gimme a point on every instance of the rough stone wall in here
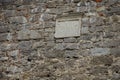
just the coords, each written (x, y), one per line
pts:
(29, 50)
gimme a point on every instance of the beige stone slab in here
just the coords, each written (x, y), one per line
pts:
(67, 27)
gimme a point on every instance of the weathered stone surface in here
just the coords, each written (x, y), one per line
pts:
(25, 45)
(67, 28)
(60, 46)
(71, 46)
(3, 37)
(107, 60)
(29, 34)
(100, 51)
(4, 28)
(70, 40)
(3, 58)
(115, 51)
(18, 19)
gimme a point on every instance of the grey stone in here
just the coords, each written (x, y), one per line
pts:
(115, 51)
(110, 43)
(71, 54)
(70, 40)
(100, 51)
(84, 30)
(14, 53)
(36, 10)
(46, 17)
(25, 45)
(14, 69)
(59, 46)
(3, 37)
(4, 28)
(18, 19)
(71, 46)
(106, 60)
(10, 13)
(29, 34)
(3, 58)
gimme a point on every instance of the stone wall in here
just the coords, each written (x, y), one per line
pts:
(29, 50)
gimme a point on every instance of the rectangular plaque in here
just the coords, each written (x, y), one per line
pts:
(69, 27)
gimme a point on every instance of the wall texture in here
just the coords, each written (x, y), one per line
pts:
(29, 50)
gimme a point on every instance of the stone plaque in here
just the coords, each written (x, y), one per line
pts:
(67, 27)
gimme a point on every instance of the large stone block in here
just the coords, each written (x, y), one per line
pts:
(18, 19)
(68, 27)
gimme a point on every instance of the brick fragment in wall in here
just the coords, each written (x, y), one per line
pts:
(10, 13)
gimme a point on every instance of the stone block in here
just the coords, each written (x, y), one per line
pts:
(115, 51)
(99, 70)
(5, 36)
(110, 43)
(70, 40)
(100, 51)
(4, 28)
(25, 45)
(71, 54)
(29, 34)
(105, 60)
(84, 30)
(59, 46)
(71, 46)
(10, 13)
(18, 19)
(67, 27)
(14, 53)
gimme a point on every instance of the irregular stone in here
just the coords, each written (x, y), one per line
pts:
(25, 45)
(100, 51)
(99, 70)
(14, 53)
(70, 40)
(10, 13)
(36, 10)
(3, 58)
(59, 46)
(71, 54)
(110, 43)
(14, 69)
(84, 30)
(18, 19)
(71, 46)
(106, 60)
(46, 17)
(3, 37)
(115, 51)
(29, 34)
(4, 28)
